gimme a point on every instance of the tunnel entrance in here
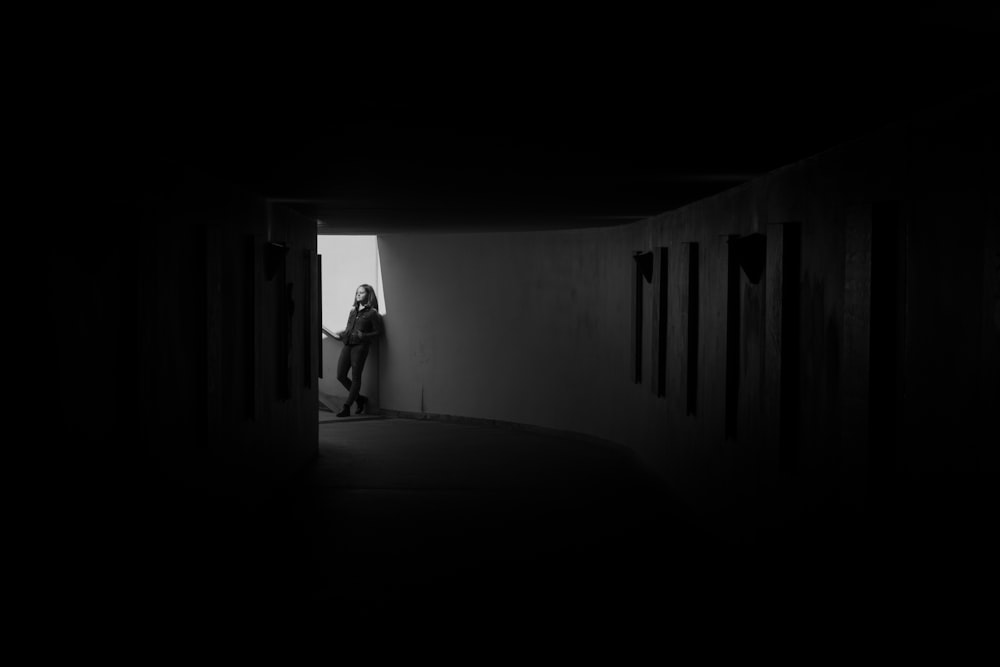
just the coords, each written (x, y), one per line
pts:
(345, 262)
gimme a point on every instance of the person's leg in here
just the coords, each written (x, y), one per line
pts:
(358, 355)
(343, 365)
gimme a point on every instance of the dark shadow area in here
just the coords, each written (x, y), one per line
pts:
(791, 313)
(187, 392)
(418, 523)
(403, 523)
(888, 346)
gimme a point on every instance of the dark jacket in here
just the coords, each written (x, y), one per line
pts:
(363, 326)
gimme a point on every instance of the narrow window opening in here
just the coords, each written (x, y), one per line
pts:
(348, 261)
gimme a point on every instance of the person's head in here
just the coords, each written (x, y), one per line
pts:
(365, 296)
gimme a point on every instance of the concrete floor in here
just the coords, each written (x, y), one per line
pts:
(418, 519)
(431, 525)
(404, 516)
(433, 515)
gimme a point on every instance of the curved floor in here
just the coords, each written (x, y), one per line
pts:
(406, 514)
(428, 524)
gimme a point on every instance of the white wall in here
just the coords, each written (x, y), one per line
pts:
(531, 328)
(348, 261)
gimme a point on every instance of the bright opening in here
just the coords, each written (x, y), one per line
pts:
(348, 261)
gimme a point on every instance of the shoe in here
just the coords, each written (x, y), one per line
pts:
(345, 412)
(362, 405)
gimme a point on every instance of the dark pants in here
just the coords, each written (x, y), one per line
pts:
(352, 357)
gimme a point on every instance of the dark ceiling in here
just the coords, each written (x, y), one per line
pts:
(550, 130)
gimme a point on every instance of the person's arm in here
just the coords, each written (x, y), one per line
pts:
(376, 321)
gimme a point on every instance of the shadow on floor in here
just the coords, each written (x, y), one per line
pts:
(431, 523)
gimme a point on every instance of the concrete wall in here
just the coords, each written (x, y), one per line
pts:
(176, 337)
(168, 426)
(865, 334)
(229, 345)
(498, 326)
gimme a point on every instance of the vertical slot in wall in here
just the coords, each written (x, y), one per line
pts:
(660, 321)
(692, 329)
(642, 272)
(732, 338)
(782, 262)
(635, 337)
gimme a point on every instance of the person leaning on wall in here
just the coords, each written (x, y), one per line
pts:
(364, 326)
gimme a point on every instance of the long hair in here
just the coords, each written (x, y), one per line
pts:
(371, 300)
